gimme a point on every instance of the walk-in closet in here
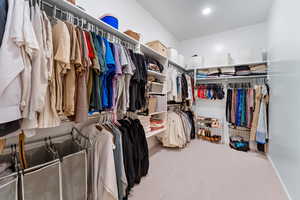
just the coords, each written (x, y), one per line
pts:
(149, 100)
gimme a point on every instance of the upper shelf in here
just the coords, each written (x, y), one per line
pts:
(232, 78)
(66, 6)
(232, 65)
(176, 65)
(152, 53)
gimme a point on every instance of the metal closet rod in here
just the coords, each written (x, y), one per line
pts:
(90, 26)
(42, 139)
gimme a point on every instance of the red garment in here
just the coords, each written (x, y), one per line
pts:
(203, 92)
(90, 47)
(199, 92)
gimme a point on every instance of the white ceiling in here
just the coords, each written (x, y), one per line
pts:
(183, 18)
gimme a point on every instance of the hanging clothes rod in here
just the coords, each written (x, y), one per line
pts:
(233, 79)
(88, 22)
(52, 138)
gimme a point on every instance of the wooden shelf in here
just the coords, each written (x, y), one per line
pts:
(154, 133)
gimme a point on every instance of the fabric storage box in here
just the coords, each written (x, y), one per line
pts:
(196, 61)
(159, 47)
(152, 104)
(156, 87)
(110, 20)
(134, 35)
(161, 104)
(172, 54)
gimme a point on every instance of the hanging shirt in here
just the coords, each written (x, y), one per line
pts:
(118, 74)
(61, 49)
(40, 73)
(29, 51)
(11, 63)
(3, 17)
(49, 118)
(262, 127)
(70, 77)
(104, 180)
(108, 75)
(81, 99)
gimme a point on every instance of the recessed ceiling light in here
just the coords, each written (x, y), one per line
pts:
(206, 11)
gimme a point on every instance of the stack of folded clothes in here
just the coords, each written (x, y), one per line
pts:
(227, 71)
(156, 124)
(213, 72)
(259, 69)
(242, 71)
(201, 73)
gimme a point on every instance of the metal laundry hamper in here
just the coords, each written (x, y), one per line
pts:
(240, 131)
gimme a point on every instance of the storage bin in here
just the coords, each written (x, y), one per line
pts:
(159, 47)
(172, 54)
(156, 87)
(152, 104)
(110, 20)
(161, 104)
(196, 61)
(134, 35)
(240, 131)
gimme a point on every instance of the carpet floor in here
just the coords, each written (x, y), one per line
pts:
(205, 171)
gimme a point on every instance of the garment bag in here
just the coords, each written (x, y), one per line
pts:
(9, 188)
(42, 183)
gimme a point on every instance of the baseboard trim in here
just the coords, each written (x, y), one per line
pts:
(279, 177)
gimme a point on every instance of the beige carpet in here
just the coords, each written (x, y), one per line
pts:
(205, 171)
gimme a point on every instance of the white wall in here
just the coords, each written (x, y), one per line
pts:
(132, 16)
(284, 47)
(245, 45)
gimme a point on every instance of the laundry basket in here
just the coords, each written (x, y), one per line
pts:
(240, 131)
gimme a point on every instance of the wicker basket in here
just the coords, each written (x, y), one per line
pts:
(152, 104)
(159, 47)
(133, 34)
(72, 1)
(240, 131)
(156, 87)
